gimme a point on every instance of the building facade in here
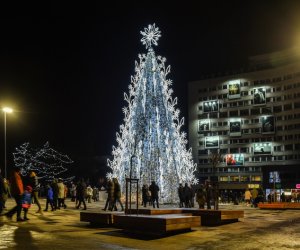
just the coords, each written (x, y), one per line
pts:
(251, 120)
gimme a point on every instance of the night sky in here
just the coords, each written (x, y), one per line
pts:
(64, 68)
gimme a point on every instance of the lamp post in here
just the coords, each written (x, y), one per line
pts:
(5, 110)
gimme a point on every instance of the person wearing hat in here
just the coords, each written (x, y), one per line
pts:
(34, 183)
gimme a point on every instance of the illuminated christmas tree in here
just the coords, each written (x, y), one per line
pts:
(46, 162)
(150, 142)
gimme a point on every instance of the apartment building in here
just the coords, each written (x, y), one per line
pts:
(252, 120)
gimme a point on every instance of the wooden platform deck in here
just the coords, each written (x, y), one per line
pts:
(216, 217)
(279, 205)
(159, 224)
(208, 217)
(102, 218)
(154, 211)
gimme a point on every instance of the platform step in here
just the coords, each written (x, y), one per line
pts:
(279, 205)
(156, 224)
(102, 218)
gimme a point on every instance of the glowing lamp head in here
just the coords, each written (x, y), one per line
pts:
(7, 110)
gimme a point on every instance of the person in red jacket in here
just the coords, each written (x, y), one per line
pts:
(17, 191)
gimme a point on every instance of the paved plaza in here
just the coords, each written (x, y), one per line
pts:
(62, 229)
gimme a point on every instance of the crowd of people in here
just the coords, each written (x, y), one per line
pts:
(27, 190)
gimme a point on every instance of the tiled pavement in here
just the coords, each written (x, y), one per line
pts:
(260, 229)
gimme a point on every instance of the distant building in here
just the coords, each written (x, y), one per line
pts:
(253, 119)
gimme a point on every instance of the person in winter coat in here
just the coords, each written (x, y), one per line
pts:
(61, 194)
(201, 197)
(6, 192)
(247, 197)
(17, 191)
(187, 195)
(26, 200)
(49, 198)
(117, 195)
(54, 187)
(110, 195)
(89, 193)
(181, 195)
(145, 193)
(1, 192)
(34, 183)
(154, 189)
(81, 193)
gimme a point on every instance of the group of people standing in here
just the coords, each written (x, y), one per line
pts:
(150, 195)
(113, 195)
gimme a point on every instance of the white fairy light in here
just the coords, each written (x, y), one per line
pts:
(151, 129)
(46, 162)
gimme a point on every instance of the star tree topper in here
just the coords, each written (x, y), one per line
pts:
(150, 35)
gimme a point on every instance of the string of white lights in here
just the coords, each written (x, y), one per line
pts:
(46, 162)
(150, 143)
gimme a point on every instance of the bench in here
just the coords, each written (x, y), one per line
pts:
(216, 217)
(99, 218)
(279, 205)
(156, 224)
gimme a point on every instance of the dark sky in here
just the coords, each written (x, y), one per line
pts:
(64, 68)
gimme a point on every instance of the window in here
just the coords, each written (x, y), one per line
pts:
(223, 151)
(234, 178)
(223, 115)
(244, 112)
(277, 109)
(297, 105)
(277, 148)
(233, 113)
(288, 147)
(225, 86)
(255, 111)
(224, 178)
(244, 178)
(287, 106)
(244, 150)
(255, 178)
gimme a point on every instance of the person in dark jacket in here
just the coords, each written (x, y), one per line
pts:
(81, 191)
(187, 195)
(145, 197)
(117, 195)
(181, 195)
(154, 189)
(110, 195)
(54, 187)
(34, 183)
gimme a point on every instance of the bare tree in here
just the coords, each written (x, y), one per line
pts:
(215, 157)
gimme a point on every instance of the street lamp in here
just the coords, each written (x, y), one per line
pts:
(5, 111)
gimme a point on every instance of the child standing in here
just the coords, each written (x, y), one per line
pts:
(26, 201)
(49, 198)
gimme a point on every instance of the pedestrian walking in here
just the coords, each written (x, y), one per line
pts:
(117, 195)
(110, 195)
(34, 183)
(26, 201)
(81, 193)
(17, 191)
(49, 200)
